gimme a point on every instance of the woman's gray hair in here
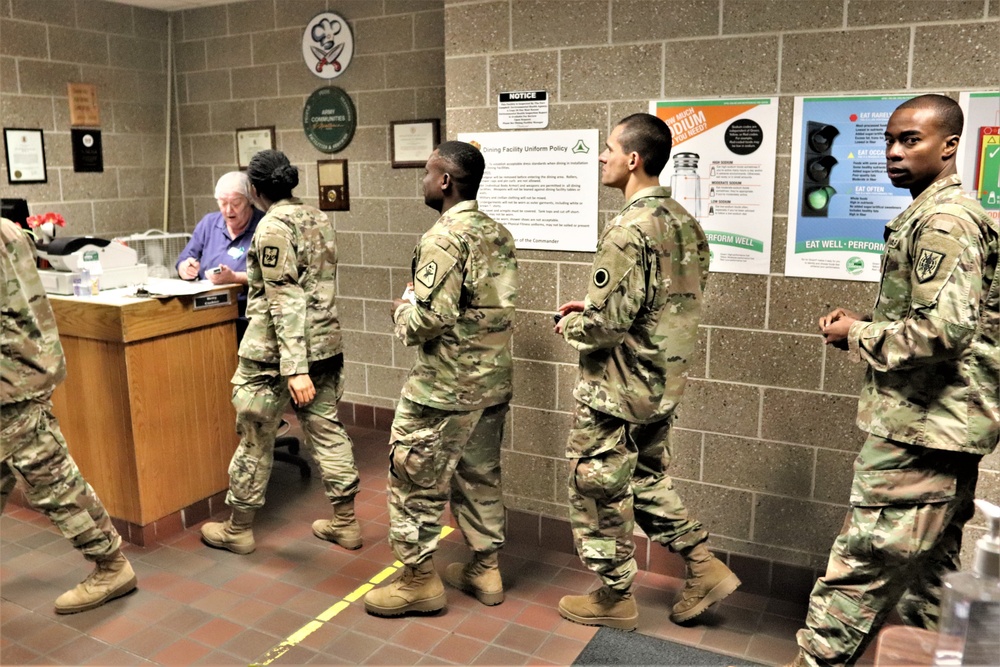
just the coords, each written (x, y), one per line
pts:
(233, 182)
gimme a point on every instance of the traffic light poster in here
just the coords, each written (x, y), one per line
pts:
(840, 196)
(721, 169)
(979, 150)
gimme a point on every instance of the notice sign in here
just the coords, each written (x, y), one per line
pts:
(542, 186)
(979, 150)
(524, 110)
(721, 169)
(840, 196)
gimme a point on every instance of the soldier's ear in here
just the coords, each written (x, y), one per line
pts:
(950, 146)
(445, 181)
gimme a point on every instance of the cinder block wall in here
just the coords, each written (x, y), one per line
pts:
(45, 44)
(240, 65)
(766, 433)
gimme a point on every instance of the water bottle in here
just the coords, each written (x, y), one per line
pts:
(82, 288)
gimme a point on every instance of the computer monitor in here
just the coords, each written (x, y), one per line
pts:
(15, 210)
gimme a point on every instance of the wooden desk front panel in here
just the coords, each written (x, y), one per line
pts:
(185, 424)
(92, 406)
(151, 424)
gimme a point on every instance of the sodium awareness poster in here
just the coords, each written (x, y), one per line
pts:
(840, 196)
(721, 169)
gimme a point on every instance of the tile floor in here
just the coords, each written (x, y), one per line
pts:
(197, 605)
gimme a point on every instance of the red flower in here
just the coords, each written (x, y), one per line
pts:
(36, 221)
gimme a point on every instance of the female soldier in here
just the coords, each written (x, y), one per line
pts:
(292, 349)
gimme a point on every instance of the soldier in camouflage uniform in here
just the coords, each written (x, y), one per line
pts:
(32, 447)
(930, 400)
(636, 333)
(291, 350)
(449, 423)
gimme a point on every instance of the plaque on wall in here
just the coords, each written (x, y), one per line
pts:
(87, 153)
(329, 119)
(83, 109)
(327, 45)
(334, 193)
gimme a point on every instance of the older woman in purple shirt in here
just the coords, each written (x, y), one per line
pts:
(218, 248)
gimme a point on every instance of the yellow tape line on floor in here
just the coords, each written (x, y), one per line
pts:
(315, 624)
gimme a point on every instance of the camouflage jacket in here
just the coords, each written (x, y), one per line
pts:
(32, 362)
(639, 328)
(292, 289)
(465, 281)
(932, 343)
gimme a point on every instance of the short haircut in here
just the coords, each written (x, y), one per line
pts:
(233, 183)
(648, 136)
(273, 175)
(465, 166)
(949, 115)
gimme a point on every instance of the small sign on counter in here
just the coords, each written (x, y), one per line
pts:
(212, 300)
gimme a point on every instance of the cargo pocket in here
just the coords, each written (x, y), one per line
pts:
(898, 513)
(415, 457)
(603, 476)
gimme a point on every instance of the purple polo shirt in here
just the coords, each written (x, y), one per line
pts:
(210, 243)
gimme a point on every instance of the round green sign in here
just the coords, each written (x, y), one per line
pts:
(329, 119)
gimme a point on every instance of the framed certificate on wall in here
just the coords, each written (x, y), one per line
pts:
(25, 152)
(413, 141)
(250, 141)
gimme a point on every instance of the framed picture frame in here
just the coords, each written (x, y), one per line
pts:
(24, 150)
(413, 141)
(334, 190)
(250, 141)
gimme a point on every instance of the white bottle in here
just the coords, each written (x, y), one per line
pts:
(970, 622)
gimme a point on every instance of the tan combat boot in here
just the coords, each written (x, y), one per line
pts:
(605, 606)
(112, 577)
(708, 580)
(234, 534)
(343, 529)
(481, 577)
(418, 590)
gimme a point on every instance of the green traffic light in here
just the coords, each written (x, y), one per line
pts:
(820, 197)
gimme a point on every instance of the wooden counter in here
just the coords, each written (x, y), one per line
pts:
(145, 407)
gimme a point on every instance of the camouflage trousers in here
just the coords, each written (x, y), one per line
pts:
(439, 455)
(902, 534)
(260, 396)
(618, 477)
(35, 452)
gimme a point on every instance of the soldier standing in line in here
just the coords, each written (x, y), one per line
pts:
(291, 349)
(449, 423)
(32, 447)
(636, 332)
(930, 402)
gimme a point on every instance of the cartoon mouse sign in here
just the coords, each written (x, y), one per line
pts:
(327, 45)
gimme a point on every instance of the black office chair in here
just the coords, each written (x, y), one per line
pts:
(291, 443)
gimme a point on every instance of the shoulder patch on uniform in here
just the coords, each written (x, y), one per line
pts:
(427, 273)
(270, 256)
(927, 265)
(601, 277)
(433, 264)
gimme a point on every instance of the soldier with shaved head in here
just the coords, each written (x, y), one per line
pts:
(930, 401)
